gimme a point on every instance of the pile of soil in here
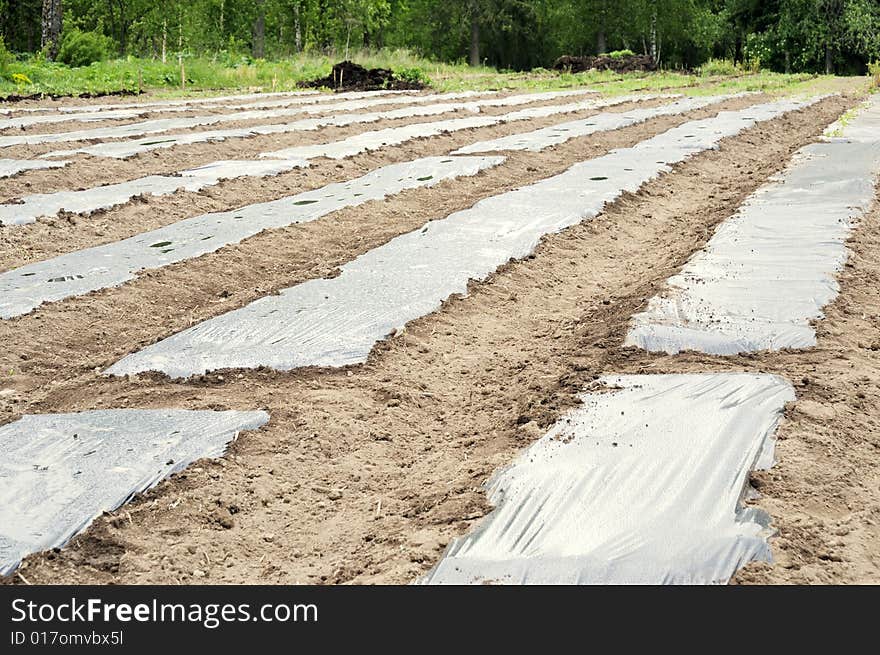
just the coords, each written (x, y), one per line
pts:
(349, 76)
(628, 64)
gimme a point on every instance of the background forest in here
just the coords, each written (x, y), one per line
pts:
(824, 36)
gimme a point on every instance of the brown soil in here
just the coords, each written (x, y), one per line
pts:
(50, 237)
(91, 171)
(39, 97)
(34, 150)
(628, 64)
(349, 76)
(146, 113)
(364, 474)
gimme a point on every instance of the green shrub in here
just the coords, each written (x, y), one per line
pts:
(719, 67)
(5, 60)
(413, 76)
(758, 49)
(620, 54)
(874, 71)
(84, 48)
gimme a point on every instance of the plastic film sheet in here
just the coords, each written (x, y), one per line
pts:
(26, 121)
(556, 134)
(377, 139)
(141, 110)
(319, 97)
(641, 485)
(82, 271)
(133, 147)
(769, 270)
(335, 322)
(157, 125)
(130, 148)
(75, 109)
(83, 202)
(89, 200)
(125, 149)
(60, 471)
(10, 167)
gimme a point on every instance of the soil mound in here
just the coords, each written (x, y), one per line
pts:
(349, 76)
(625, 64)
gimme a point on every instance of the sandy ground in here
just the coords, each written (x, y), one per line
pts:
(201, 109)
(364, 474)
(53, 236)
(168, 159)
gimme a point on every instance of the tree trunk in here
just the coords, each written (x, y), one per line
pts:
(119, 24)
(297, 27)
(123, 30)
(601, 45)
(829, 59)
(259, 49)
(654, 32)
(51, 35)
(475, 40)
(787, 62)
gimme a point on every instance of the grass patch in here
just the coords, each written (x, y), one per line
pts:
(34, 75)
(874, 72)
(715, 67)
(221, 72)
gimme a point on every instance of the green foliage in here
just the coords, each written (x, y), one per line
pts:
(233, 35)
(207, 74)
(413, 75)
(874, 71)
(5, 60)
(757, 51)
(620, 54)
(719, 67)
(83, 48)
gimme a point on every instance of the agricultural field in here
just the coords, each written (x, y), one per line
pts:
(515, 328)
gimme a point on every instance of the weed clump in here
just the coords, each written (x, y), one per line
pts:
(874, 71)
(715, 67)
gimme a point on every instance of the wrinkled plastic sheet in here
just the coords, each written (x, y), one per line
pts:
(82, 271)
(131, 148)
(319, 97)
(377, 139)
(157, 125)
(60, 471)
(769, 270)
(641, 485)
(137, 110)
(75, 109)
(10, 167)
(336, 322)
(125, 149)
(89, 200)
(27, 121)
(555, 134)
